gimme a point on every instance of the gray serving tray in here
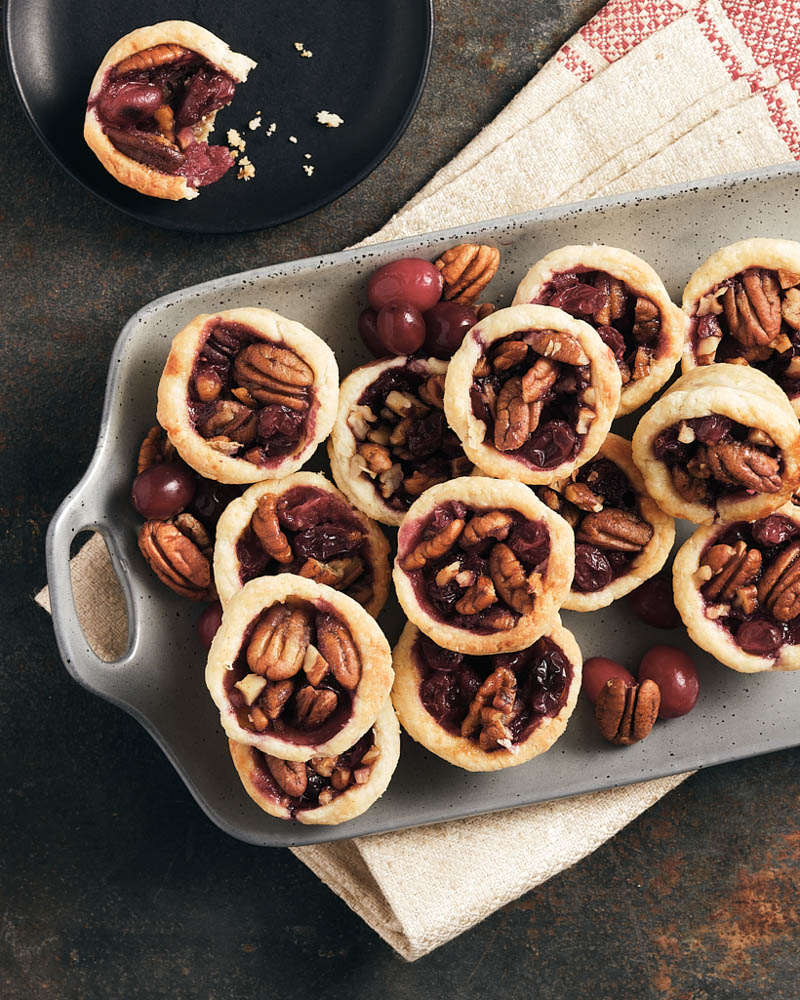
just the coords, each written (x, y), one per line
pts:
(159, 679)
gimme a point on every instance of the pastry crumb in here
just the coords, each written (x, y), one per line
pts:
(270, 130)
(307, 156)
(246, 169)
(309, 168)
(329, 119)
(292, 138)
(255, 123)
(235, 140)
(304, 52)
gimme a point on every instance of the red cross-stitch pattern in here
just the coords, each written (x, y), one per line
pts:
(710, 29)
(781, 119)
(568, 58)
(771, 30)
(622, 25)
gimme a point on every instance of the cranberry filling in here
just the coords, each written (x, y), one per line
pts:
(250, 398)
(283, 683)
(311, 532)
(455, 687)
(752, 585)
(405, 443)
(753, 317)
(477, 569)
(713, 457)
(153, 107)
(533, 406)
(629, 323)
(324, 779)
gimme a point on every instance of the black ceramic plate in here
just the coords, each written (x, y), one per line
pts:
(369, 62)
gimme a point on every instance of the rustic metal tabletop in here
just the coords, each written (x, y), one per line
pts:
(113, 883)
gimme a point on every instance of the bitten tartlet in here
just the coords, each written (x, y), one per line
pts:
(624, 299)
(297, 669)
(152, 106)
(303, 525)
(323, 790)
(390, 441)
(622, 538)
(721, 444)
(531, 393)
(743, 307)
(482, 565)
(247, 395)
(737, 588)
(484, 713)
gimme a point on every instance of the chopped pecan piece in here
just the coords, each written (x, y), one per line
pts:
(432, 391)
(232, 421)
(315, 666)
(743, 465)
(510, 580)
(779, 587)
(646, 321)
(337, 647)
(279, 642)
(788, 279)
(642, 363)
(466, 270)
(753, 308)
(508, 354)
(491, 709)
(583, 496)
(493, 524)
(434, 548)
(275, 696)
(790, 310)
(180, 561)
(732, 566)
(477, 597)
(617, 530)
(290, 775)
(155, 449)
(377, 457)
(267, 529)
(512, 418)
(313, 707)
(251, 686)
(207, 385)
(338, 573)
(692, 489)
(420, 481)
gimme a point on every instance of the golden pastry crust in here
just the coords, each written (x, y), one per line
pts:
(745, 395)
(270, 327)
(375, 655)
(347, 469)
(459, 750)
(483, 494)
(191, 36)
(237, 516)
(705, 631)
(640, 277)
(652, 557)
(761, 252)
(352, 802)
(604, 389)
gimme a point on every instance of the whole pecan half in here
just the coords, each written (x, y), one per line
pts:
(616, 299)
(156, 55)
(338, 573)
(290, 775)
(510, 580)
(466, 270)
(152, 150)
(477, 597)
(155, 449)
(267, 529)
(274, 374)
(313, 707)
(493, 524)
(752, 308)
(617, 530)
(279, 642)
(779, 587)
(743, 465)
(732, 566)
(688, 487)
(508, 354)
(491, 709)
(434, 548)
(337, 647)
(557, 346)
(512, 417)
(275, 696)
(625, 715)
(178, 552)
(539, 380)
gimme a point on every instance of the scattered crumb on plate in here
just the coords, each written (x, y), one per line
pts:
(307, 156)
(330, 119)
(235, 140)
(270, 129)
(255, 123)
(246, 169)
(304, 52)
(292, 138)
(309, 168)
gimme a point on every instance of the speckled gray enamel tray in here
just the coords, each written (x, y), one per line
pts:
(159, 680)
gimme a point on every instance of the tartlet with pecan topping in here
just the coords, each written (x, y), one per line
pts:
(247, 394)
(152, 106)
(737, 588)
(303, 525)
(721, 444)
(622, 537)
(482, 565)
(624, 299)
(531, 393)
(323, 790)
(484, 713)
(743, 307)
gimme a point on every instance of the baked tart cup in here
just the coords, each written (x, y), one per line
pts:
(152, 106)
(743, 307)
(482, 565)
(721, 444)
(297, 669)
(485, 713)
(622, 537)
(303, 525)
(391, 441)
(624, 299)
(247, 395)
(324, 790)
(737, 588)
(531, 393)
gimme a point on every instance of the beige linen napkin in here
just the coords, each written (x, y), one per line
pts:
(646, 93)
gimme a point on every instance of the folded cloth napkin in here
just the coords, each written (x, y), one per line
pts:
(648, 92)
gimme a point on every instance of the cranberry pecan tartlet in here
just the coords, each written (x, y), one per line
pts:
(297, 668)
(624, 299)
(737, 588)
(323, 790)
(743, 306)
(531, 393)
(152, 106)
(391, 441)
(721, 444)
(247, 394)
(482, 565)
(303, 525)
(622, 537)
(484, 713)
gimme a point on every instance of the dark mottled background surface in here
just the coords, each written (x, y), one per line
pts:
(113, 884)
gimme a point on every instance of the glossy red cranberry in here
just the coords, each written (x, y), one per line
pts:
(592, 570)
(712, 429)
(675, 674)
(411, 280)
(579, 300)
(614, 340)
(446, 325)
(208, 623)
(127, 103)
(368, 330)
(653, 603)
(597, 671)
(163, 490)
(774, 530)
(758, 637)
(401, 328)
